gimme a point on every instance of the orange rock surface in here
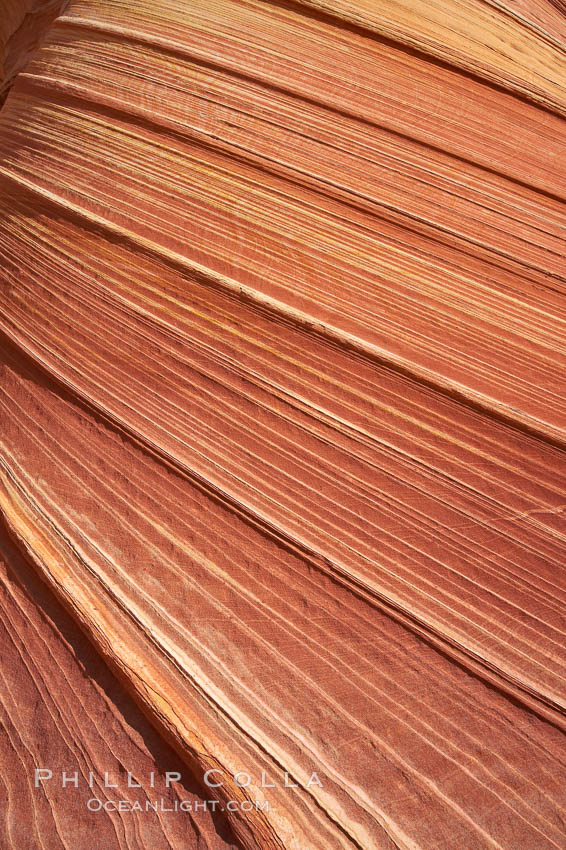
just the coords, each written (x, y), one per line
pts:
(282, 467)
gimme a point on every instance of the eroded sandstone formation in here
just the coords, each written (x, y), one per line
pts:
(283, 455)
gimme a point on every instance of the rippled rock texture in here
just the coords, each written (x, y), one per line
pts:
(283, 470)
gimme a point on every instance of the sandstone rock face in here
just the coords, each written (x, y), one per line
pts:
(282, 468)
(22, 26)
(61, 706)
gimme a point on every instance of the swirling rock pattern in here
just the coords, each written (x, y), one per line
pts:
(61, 706)
(283, 453)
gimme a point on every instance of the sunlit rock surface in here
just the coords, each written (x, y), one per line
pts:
(283, 451)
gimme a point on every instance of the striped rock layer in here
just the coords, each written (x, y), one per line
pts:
(282, 467)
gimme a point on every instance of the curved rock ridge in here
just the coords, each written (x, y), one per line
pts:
(282, 468)
(61, 706)
(23, 24)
